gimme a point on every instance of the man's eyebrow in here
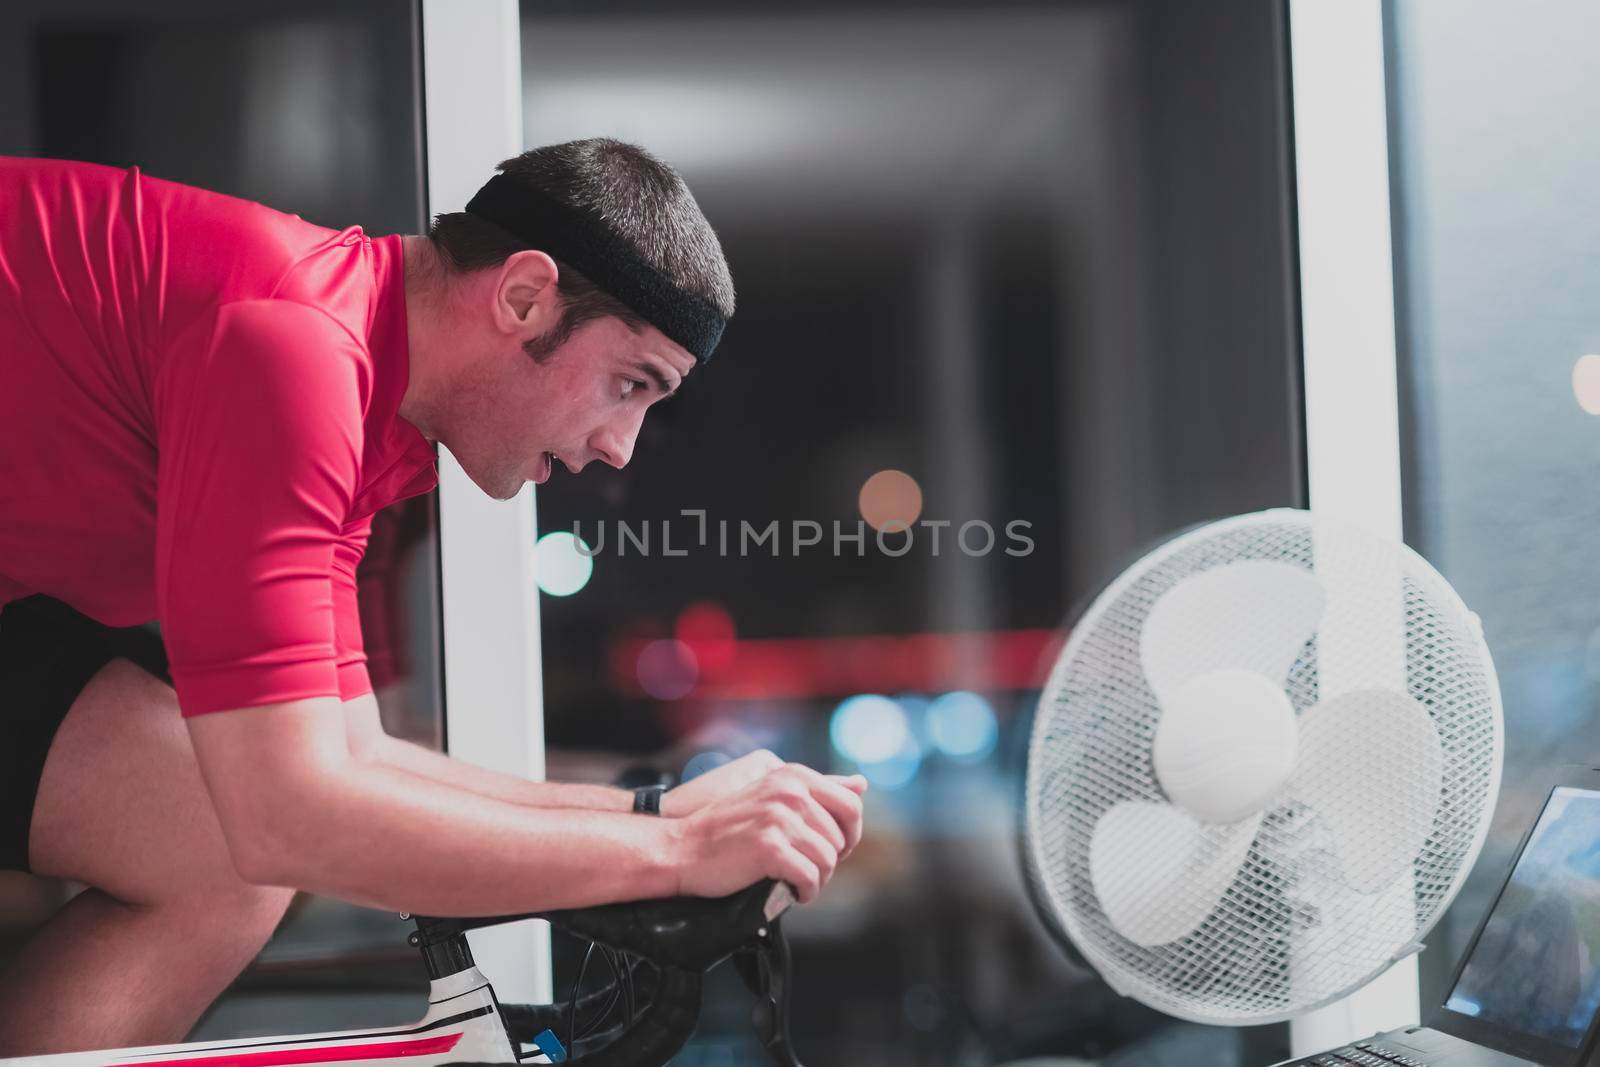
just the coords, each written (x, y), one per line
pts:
(653, 372)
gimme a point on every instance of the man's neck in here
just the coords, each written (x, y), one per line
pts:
(424, 301)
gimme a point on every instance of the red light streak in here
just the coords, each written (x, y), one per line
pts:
(799, 667)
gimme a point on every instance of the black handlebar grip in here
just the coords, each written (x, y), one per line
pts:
(691, 933)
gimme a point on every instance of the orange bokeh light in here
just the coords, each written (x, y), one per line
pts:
(891, 499)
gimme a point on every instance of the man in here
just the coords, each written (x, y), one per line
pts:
(202, 404)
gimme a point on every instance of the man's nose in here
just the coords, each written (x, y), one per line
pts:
(614, 444)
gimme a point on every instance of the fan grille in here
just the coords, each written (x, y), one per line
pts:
(1288, 935)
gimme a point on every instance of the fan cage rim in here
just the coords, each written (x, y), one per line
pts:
(1064, 919)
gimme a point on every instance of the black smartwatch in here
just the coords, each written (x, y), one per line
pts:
(647, 799)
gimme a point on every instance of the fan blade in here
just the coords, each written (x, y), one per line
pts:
(1255, 616)
(1158, 873)
(1225, 745)
(1371, 767)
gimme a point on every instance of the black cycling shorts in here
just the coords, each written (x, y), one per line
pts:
(48, 653)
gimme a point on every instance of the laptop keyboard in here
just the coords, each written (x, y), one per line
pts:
(1364, 1054)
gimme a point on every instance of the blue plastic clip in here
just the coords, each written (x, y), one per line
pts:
(551, 1046)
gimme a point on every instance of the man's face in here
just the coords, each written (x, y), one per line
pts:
(582, 403)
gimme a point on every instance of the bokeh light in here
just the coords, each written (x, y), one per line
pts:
(1586, 383)
(963, 726)
(869, 729)
(562, 563)
(891, 499)
(702, 762)
(707, 628)
(915, 707)
(667, 669)
(898, 770)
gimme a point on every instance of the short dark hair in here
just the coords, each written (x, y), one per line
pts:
(642, 198)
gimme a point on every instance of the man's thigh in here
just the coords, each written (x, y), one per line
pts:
(121, 804)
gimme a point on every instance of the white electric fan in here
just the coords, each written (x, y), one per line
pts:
(1262, 767)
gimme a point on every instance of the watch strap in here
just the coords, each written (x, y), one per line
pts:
(647, 799)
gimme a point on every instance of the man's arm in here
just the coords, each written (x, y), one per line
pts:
(368, 742)
(298, 809)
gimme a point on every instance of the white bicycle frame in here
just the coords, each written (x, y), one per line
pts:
(679, 940)
(462, 1023)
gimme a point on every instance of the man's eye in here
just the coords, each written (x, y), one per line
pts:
(628, 386)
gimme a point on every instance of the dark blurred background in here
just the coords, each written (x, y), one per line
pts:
(1036, 258)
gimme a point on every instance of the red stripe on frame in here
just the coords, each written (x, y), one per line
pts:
(376, 1050)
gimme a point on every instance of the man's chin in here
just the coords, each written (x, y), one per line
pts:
(498, 486)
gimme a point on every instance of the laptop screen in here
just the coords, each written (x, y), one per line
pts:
(1535, 969)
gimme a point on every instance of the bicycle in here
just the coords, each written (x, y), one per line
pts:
(667, 945)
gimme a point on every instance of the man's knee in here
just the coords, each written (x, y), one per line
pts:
(122, 805)
(237, 920)
(254, 910)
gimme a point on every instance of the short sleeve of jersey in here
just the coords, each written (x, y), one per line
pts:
(258, 416)
(348, 645)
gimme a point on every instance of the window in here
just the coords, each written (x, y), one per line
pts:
(1493, 149)
(1036, 259)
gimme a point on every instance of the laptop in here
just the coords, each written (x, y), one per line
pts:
(1527, 990)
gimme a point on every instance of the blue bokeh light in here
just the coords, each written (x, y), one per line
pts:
(898, 770)
(876, 734)
(869, 728)
(963, 726)
(702, 762)
(562, 563)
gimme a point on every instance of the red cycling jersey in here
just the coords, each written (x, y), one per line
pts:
(199, 405)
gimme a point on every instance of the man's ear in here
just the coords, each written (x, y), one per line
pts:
(526, 301)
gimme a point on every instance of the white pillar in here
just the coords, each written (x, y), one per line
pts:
(1348, 334)
(494, 708)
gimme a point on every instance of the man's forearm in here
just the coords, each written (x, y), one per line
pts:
(437, 767)
(387, 838)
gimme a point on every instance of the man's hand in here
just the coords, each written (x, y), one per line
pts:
(792, 823)
(718, 783)
(722, 782)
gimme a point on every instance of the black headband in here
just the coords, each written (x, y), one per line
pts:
(584, 241)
